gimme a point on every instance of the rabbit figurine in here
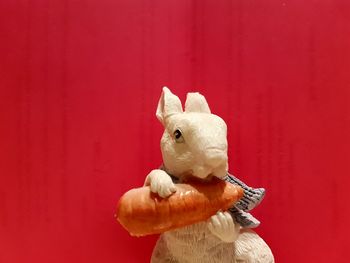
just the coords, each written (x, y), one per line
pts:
(195, 143)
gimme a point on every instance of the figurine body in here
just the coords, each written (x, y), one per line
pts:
(194, 144)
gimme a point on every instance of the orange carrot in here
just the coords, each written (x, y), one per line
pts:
(142, 212)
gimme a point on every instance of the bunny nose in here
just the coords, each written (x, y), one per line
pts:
(215, 157)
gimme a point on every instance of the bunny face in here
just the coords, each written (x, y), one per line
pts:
(194, 142)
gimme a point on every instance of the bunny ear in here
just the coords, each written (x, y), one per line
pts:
(168, 105)
(195, 102)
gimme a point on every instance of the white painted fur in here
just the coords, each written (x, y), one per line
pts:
(200, 151)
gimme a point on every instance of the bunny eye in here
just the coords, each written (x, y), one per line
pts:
(178, 136)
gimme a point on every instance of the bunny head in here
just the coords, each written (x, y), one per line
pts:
(194, 141)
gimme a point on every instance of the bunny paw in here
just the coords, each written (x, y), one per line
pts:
(160, 182)
(222, 226)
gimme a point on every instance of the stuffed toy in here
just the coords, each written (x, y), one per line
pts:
(194, 146)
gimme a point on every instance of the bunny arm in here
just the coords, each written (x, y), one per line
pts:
(223, 226)
(160, 182)
(252, 197)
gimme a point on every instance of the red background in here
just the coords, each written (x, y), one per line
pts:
(79, 85)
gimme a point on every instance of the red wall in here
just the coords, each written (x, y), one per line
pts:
(79, 85)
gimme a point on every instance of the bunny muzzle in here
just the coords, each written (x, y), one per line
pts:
(213, 163)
